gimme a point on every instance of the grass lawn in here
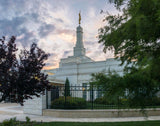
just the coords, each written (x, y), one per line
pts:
(141, 123)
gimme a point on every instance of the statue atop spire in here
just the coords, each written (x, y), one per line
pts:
(79, 49)
(79, 17)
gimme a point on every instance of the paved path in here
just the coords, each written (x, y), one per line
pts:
(8, 111)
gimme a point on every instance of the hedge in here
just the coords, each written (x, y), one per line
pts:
(70, 103)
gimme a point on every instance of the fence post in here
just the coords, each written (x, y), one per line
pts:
(65, 96)
(92, 96)
(118, 102)
(46, 98)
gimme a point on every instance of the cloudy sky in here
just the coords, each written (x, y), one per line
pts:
(52, 25)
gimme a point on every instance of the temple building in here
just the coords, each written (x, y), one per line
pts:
(77, 68)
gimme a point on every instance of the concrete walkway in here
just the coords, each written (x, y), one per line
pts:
(8, 110)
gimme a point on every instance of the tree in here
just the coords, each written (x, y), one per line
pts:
(135, 33)
(111, 84)
(23, 76)
(67, 88)
(142, 89)
(8, 65)
(134, 36)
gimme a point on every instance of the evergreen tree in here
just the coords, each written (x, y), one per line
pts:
(67, 88)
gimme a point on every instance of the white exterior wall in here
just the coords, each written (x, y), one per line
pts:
(79, 73)
(35, 106)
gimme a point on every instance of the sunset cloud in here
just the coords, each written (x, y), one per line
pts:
(52, 25)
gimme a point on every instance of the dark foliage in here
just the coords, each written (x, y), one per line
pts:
(69, 103)
(134, 36)
(136, 87)
(67, 88)
(101, 100)
(23, 76)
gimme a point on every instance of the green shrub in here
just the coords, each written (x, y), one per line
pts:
(70, 103)
(10, 122)
(147, 102)
(101, 100)
(155, 101)
(15, 122)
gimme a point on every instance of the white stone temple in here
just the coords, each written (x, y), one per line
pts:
(77, 68)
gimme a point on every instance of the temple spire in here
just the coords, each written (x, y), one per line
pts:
(79, 49)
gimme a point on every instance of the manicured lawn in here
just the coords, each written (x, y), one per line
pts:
(142, 123)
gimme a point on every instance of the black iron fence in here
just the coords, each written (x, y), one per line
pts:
(84, 97)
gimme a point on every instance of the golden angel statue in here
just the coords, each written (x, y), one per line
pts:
(79, 17)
